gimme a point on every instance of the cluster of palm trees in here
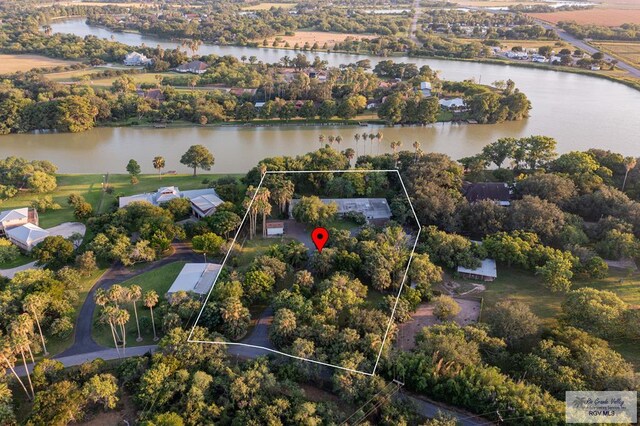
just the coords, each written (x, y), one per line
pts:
(117, 317)
(329, 139)
(377, 137)
(21, 339)
(276, 189)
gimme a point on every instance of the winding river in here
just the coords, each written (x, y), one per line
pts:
(581, 112)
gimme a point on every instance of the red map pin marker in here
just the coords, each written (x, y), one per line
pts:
(320, 237)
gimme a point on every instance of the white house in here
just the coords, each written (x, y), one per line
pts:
(136, 59)
(454, 103)
(193, 67)
(371, 208)
(205, 205)
(27, 236)
(539, 58)
(487, 271)
(516, 55)
(425, 88)
(16, 217)
(196, 278)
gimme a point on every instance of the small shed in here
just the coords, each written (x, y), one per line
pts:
(275, 229)
(487, 271)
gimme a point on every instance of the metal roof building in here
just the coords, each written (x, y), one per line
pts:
(196, 278)
(487, 271)
(371, 208)
(27, 236)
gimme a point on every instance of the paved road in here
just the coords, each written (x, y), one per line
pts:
(83, 342)
(9, 273)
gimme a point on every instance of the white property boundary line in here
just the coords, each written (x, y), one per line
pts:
(235, 238)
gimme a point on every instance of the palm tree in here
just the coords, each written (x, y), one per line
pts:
(19, 342)
(35, 304)
(107, 316)
(321, 139)
(22, 326)
(100, 297)
(7, 354)
(262, 203)
(150, 300)
(379, 137)
(282, 192)
(338, 140)
(158, 163)
(356, 137)
(115, 294)
(629, 164)
(122, 318)
(364, 142)
(134, 294)
(331, 139)
(416, 146)
(250, 203)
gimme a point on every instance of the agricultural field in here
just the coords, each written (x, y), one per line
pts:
(267, 6)
(320, 37)
(609, 17)
(625, 51)
(14, 63)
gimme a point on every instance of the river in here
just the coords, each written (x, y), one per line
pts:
(581, 112)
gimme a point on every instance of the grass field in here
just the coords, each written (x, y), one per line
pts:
(608, 17)
(13, 63)
(527, 288)
(625, 51)
(103, 82)
(90, 187)
(160, 280)
(527, 44)
(320, 37)
(267, 6)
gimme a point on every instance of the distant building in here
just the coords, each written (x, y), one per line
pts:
(17, 217)
(196, 278)
(259, 105)
(371, 208)
(539, 58)
(453, 104)
(487, 271)
(203, 201)
(425, 88)
(193, 67)
(275, 228)
(136, 59)
(153, 94)
(517, 55)
(27, 236)
(495, 191)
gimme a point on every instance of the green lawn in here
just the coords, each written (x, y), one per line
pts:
(90, 187)
(22, 259)
(160, 280)
(522, 285)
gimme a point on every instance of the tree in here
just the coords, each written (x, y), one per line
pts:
(8, 251)
(54, 251)
(150, 300)
(198, 156)
(535, 150)
(159, 163)
(599, 312)
(313, 211)
(36, 304)
(498, 151)
(257, 284)
(208, 243)
(60, 404)
(40, 181)
(224, 222)
(629, 164)
(548, 186)
(513, 321)
(283, 328)
(75, 114)
(134, 294)
(101, 388)
(133, 168)
(536, 215)
(236, 318)
(445, 308)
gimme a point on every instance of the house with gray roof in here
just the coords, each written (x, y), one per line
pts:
(371, 208)
(27, 236)
(203, 201)
(17, 217)
(197, 278)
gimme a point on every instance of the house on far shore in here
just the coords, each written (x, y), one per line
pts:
(275, 228)
(425, 88)
(17, 217)
(196, 278)
(487, 271)
(453, 104)
(27, 236)
(136, 59)
(193, 67)
(495, 191)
